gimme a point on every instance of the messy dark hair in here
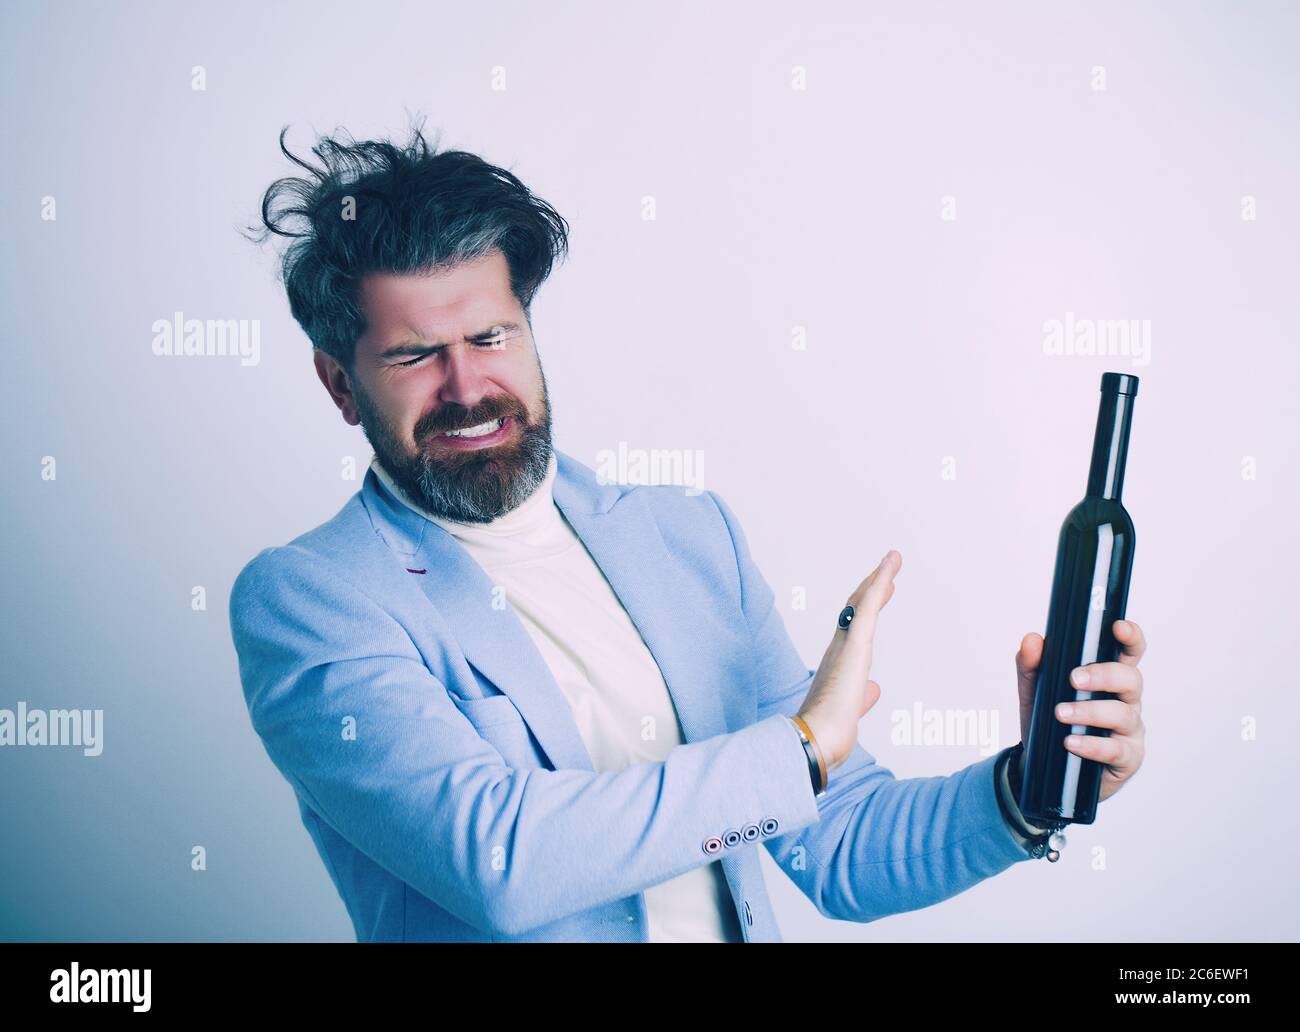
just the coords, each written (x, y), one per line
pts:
(376, 207)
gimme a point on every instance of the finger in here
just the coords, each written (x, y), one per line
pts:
(867, 602)
(1108, 713)
(1130, 637)
(857, 600)
(1120, 752)
(869, 698)
(872, 594)
(1125, 681)
(1028, 658)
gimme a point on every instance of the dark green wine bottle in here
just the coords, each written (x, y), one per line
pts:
(1094, 561)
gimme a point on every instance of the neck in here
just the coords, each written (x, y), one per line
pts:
(1110, 444)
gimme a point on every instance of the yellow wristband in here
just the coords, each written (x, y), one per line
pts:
(817, 750)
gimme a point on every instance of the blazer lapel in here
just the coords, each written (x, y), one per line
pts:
(623, 538)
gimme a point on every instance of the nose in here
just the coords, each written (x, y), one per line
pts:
(462, 383)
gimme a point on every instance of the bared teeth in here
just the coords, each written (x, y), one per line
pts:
(481, 430)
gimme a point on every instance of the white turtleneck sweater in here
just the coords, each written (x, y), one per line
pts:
(602, 666)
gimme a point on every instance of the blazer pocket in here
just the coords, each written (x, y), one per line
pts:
(499, 723)
(489, 710)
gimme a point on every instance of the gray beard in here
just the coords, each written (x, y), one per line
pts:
(467, 492)
(475, 495)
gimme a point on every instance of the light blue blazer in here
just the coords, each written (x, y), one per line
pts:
(442, 777)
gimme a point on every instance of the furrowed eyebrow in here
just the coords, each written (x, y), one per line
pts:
(495, 330)
(419, 347)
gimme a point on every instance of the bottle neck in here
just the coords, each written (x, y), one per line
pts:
(1110, 445)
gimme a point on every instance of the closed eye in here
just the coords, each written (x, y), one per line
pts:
(496, 344)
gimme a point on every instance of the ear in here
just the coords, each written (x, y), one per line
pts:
(335, 378)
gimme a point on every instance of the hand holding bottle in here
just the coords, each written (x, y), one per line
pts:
(1122, 751)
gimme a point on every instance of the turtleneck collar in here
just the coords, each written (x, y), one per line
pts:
(535, 527)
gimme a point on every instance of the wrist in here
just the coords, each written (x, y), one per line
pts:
(818, 771)
(1015, 774)
(823, 731)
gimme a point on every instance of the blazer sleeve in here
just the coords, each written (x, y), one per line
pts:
(884, 845)
(418, 790)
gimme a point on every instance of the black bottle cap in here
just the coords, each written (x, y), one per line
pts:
(1120, 383)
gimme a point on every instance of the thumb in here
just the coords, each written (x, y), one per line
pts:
(1028, 656)
(869, 698)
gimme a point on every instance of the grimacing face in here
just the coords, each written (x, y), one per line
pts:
(444, 352)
